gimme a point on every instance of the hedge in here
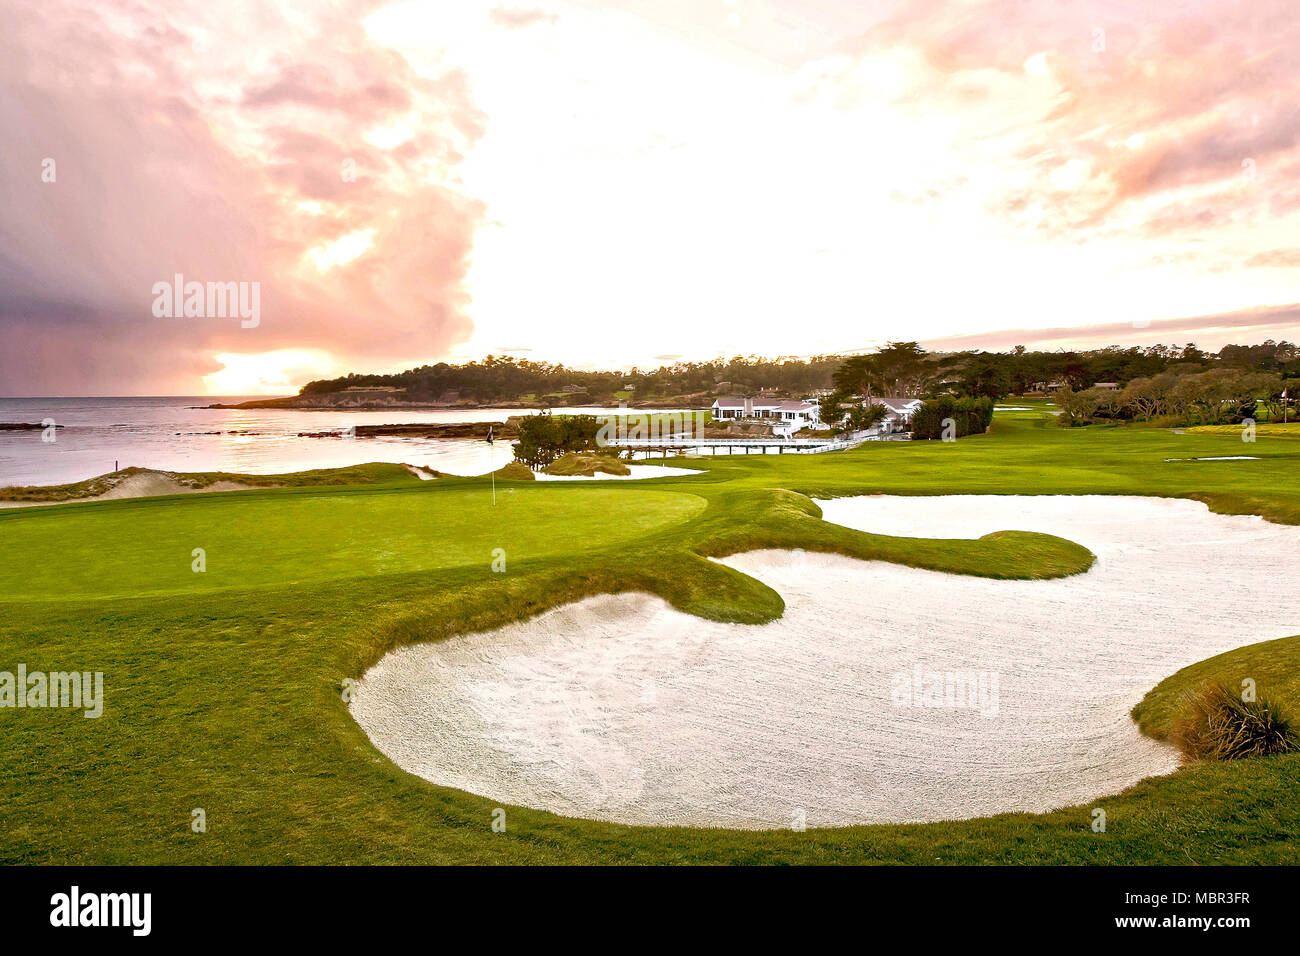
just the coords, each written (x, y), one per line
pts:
(971, 416)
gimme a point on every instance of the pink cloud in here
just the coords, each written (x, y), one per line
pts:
(514, 18)
(1204, 87)
(175, 152)
(1209, 331)
(1275, 259)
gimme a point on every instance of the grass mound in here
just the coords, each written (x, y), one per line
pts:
(1273, 666)
(1219, 725)
(374, 473)
(588, 465)
(90, 488)
(515, 471)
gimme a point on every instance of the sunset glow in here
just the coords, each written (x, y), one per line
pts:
(613, 184)
(267, 373)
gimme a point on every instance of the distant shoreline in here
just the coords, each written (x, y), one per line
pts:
(438, 430)
(302, 403)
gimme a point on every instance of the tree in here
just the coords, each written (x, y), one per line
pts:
(1149, 396)
(545, 437)
(833, 408)
(985, 375)
(1078, 408)
(900, 368)
(862, 417)
(858, 375)
(1249, 390)
(1071, 367)
(1023, 370)
(903, 369)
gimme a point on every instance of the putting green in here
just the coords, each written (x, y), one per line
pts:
(251, 539)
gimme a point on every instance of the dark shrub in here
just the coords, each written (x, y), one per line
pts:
(544, 438)
(970, 416)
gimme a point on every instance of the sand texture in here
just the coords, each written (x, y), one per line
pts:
(621, 708)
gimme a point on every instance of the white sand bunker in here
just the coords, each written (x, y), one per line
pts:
(621, 708)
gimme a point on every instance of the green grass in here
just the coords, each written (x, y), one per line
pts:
(1271, 665)
(144, 548)
(1263, 429)
(223, 689)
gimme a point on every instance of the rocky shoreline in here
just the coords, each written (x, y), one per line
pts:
(444, 430)
(336, 401)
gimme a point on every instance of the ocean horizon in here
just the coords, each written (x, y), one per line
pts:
(99, 434)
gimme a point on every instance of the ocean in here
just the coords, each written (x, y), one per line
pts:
(172, 433)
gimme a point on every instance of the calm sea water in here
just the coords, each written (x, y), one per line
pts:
(171, 434)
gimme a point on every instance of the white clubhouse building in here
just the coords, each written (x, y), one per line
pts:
(784, 416)
(787, 417)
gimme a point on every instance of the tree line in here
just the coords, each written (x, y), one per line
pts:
(1187, 395)
(1165, 384)
(898, 369)
(510, 379)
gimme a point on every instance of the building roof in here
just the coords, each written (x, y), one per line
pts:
(896, 403)
(736, 401)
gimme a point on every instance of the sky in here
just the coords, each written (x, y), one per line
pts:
(633, 182)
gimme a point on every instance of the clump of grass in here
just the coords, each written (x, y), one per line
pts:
(515, 471)
(1219, 725)
(588, 465)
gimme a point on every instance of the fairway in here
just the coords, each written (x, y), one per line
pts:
(226, 690)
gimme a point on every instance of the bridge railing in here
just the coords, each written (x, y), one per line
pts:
(807, 445)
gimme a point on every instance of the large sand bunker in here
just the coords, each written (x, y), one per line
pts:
(621, 708)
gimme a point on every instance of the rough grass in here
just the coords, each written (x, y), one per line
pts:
(588, 465)
(231, 701)
(515, 471)
(1262, 430)
(374, 473)
(1220, 724)
(1271, 669)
